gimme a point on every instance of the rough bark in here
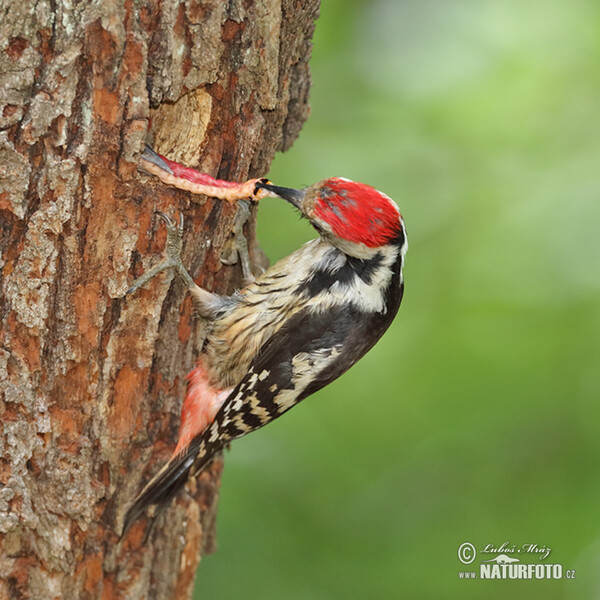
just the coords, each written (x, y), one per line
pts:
(91, 383)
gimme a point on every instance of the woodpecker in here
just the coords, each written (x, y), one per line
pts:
(298, 327)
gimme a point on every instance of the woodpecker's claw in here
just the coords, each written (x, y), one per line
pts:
(173, 258)
(173, 231)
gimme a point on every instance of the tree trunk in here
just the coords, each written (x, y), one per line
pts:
(91, 382)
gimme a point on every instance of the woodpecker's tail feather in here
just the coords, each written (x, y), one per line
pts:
(161, 489)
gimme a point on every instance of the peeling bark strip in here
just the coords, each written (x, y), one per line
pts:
(91, 383)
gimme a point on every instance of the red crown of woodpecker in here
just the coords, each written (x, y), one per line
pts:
(356, 212)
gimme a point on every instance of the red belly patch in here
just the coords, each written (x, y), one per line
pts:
(201, 404)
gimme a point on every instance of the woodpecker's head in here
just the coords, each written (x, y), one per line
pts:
(354, 217)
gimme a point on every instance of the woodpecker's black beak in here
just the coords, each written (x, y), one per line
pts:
(295, 197)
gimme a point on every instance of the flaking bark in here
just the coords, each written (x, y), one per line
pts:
(91, 383)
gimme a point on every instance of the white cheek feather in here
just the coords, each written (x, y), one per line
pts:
(366, 297)
(369, 297)
(353, 249)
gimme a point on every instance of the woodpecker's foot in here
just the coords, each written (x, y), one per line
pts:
(237, 247)
(173, 258)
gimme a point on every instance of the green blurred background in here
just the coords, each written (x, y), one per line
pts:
(476, 417)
